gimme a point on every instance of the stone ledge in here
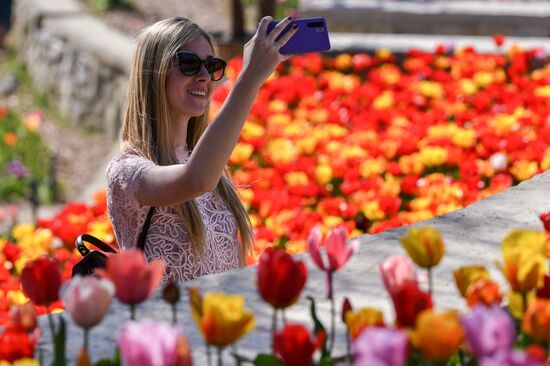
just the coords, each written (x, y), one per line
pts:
(472, 236)
(353, 42)
(437, 17)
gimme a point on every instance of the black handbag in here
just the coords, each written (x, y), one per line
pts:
(92, 259)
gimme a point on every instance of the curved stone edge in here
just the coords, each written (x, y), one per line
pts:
(472, 236)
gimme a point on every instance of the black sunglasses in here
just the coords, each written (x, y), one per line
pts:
(190, 64)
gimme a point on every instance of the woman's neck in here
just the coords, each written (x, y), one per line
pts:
(179, 132)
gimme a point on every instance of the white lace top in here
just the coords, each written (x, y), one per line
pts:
(166, 237)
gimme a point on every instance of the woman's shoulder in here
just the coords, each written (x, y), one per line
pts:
(126, 160)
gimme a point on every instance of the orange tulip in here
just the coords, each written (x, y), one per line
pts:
(361, 319)
(466, 275)
(536, 321)
(485, 291)
(438, 335)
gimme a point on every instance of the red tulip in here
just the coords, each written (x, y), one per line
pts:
(499, 39)
(408, 302)
(295, 345)
(280, 278)
(16, 344)
(41, 279)
(133, 277)
(545, 218)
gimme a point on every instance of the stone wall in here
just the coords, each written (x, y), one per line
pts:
(76, 61)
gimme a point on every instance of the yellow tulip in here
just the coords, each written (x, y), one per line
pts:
(524, 259)
(424, 245)
(221, 318)
(361, 319)
(466, 275)
(438, 335)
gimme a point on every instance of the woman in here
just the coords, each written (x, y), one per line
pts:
(173, 160)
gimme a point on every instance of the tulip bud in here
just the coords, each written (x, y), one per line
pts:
(346, 307)
(171, 292)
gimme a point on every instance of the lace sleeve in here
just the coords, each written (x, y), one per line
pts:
(124, 175)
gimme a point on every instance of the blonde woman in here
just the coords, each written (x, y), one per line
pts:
(173, 160)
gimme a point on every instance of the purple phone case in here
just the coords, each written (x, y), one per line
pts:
(312, 36)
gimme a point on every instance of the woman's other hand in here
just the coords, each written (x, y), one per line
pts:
(261, 54)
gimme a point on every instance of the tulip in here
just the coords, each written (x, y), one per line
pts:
(171, 294)
(544, 291)
(16, 344)
(408, 302)
(134, 279)
(337, 254)
(363, 318)
(438, 335)
(87, 299)
(395, 271)
(295, 345)
(424, 245)
(151, 343)
(511, 358)
(380, 346)
(221, 318)
(466, 275)
(41, 280)
(483, 291)
(524, 261)
(536, 321)
(24, 317)
(280, 278)
(488, 330)
(545, 218)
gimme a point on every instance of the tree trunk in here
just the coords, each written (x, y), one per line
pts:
(237, 18)
(267, 7)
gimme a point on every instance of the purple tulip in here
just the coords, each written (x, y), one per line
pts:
(510, 358)
(488, 330)
(148, 343)
(378, 346)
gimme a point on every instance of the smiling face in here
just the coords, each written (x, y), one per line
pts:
(188, 96)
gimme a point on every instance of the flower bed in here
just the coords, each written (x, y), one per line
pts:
(360, 141)
(372, 143)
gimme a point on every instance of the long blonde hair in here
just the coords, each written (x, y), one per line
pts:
(146, 127)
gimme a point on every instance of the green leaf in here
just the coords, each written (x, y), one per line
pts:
(326, 361)
(264, 359)
(59, 358)
(104, 362)
(318, 326)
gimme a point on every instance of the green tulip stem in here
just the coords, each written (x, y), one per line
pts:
(174, 314)
(50, 321)
(220, 362)
(430, 281)
(86, 337)
(273, 330)
(208, 355)
(524, 301)
(284, 316)
(348, 347)
(132, 312)
(332, 313)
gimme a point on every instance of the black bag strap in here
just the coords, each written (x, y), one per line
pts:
(84, 251)
(143, 234)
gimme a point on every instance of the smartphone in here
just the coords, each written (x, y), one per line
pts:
(312, 36)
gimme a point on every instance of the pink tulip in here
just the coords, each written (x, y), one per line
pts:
(151, 343)
(337, 252)
(133, 277)
(87, 299)
(395, 271)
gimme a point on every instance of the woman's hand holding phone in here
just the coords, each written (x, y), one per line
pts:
(261, 54)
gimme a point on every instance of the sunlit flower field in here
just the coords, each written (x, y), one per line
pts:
(367, 141)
